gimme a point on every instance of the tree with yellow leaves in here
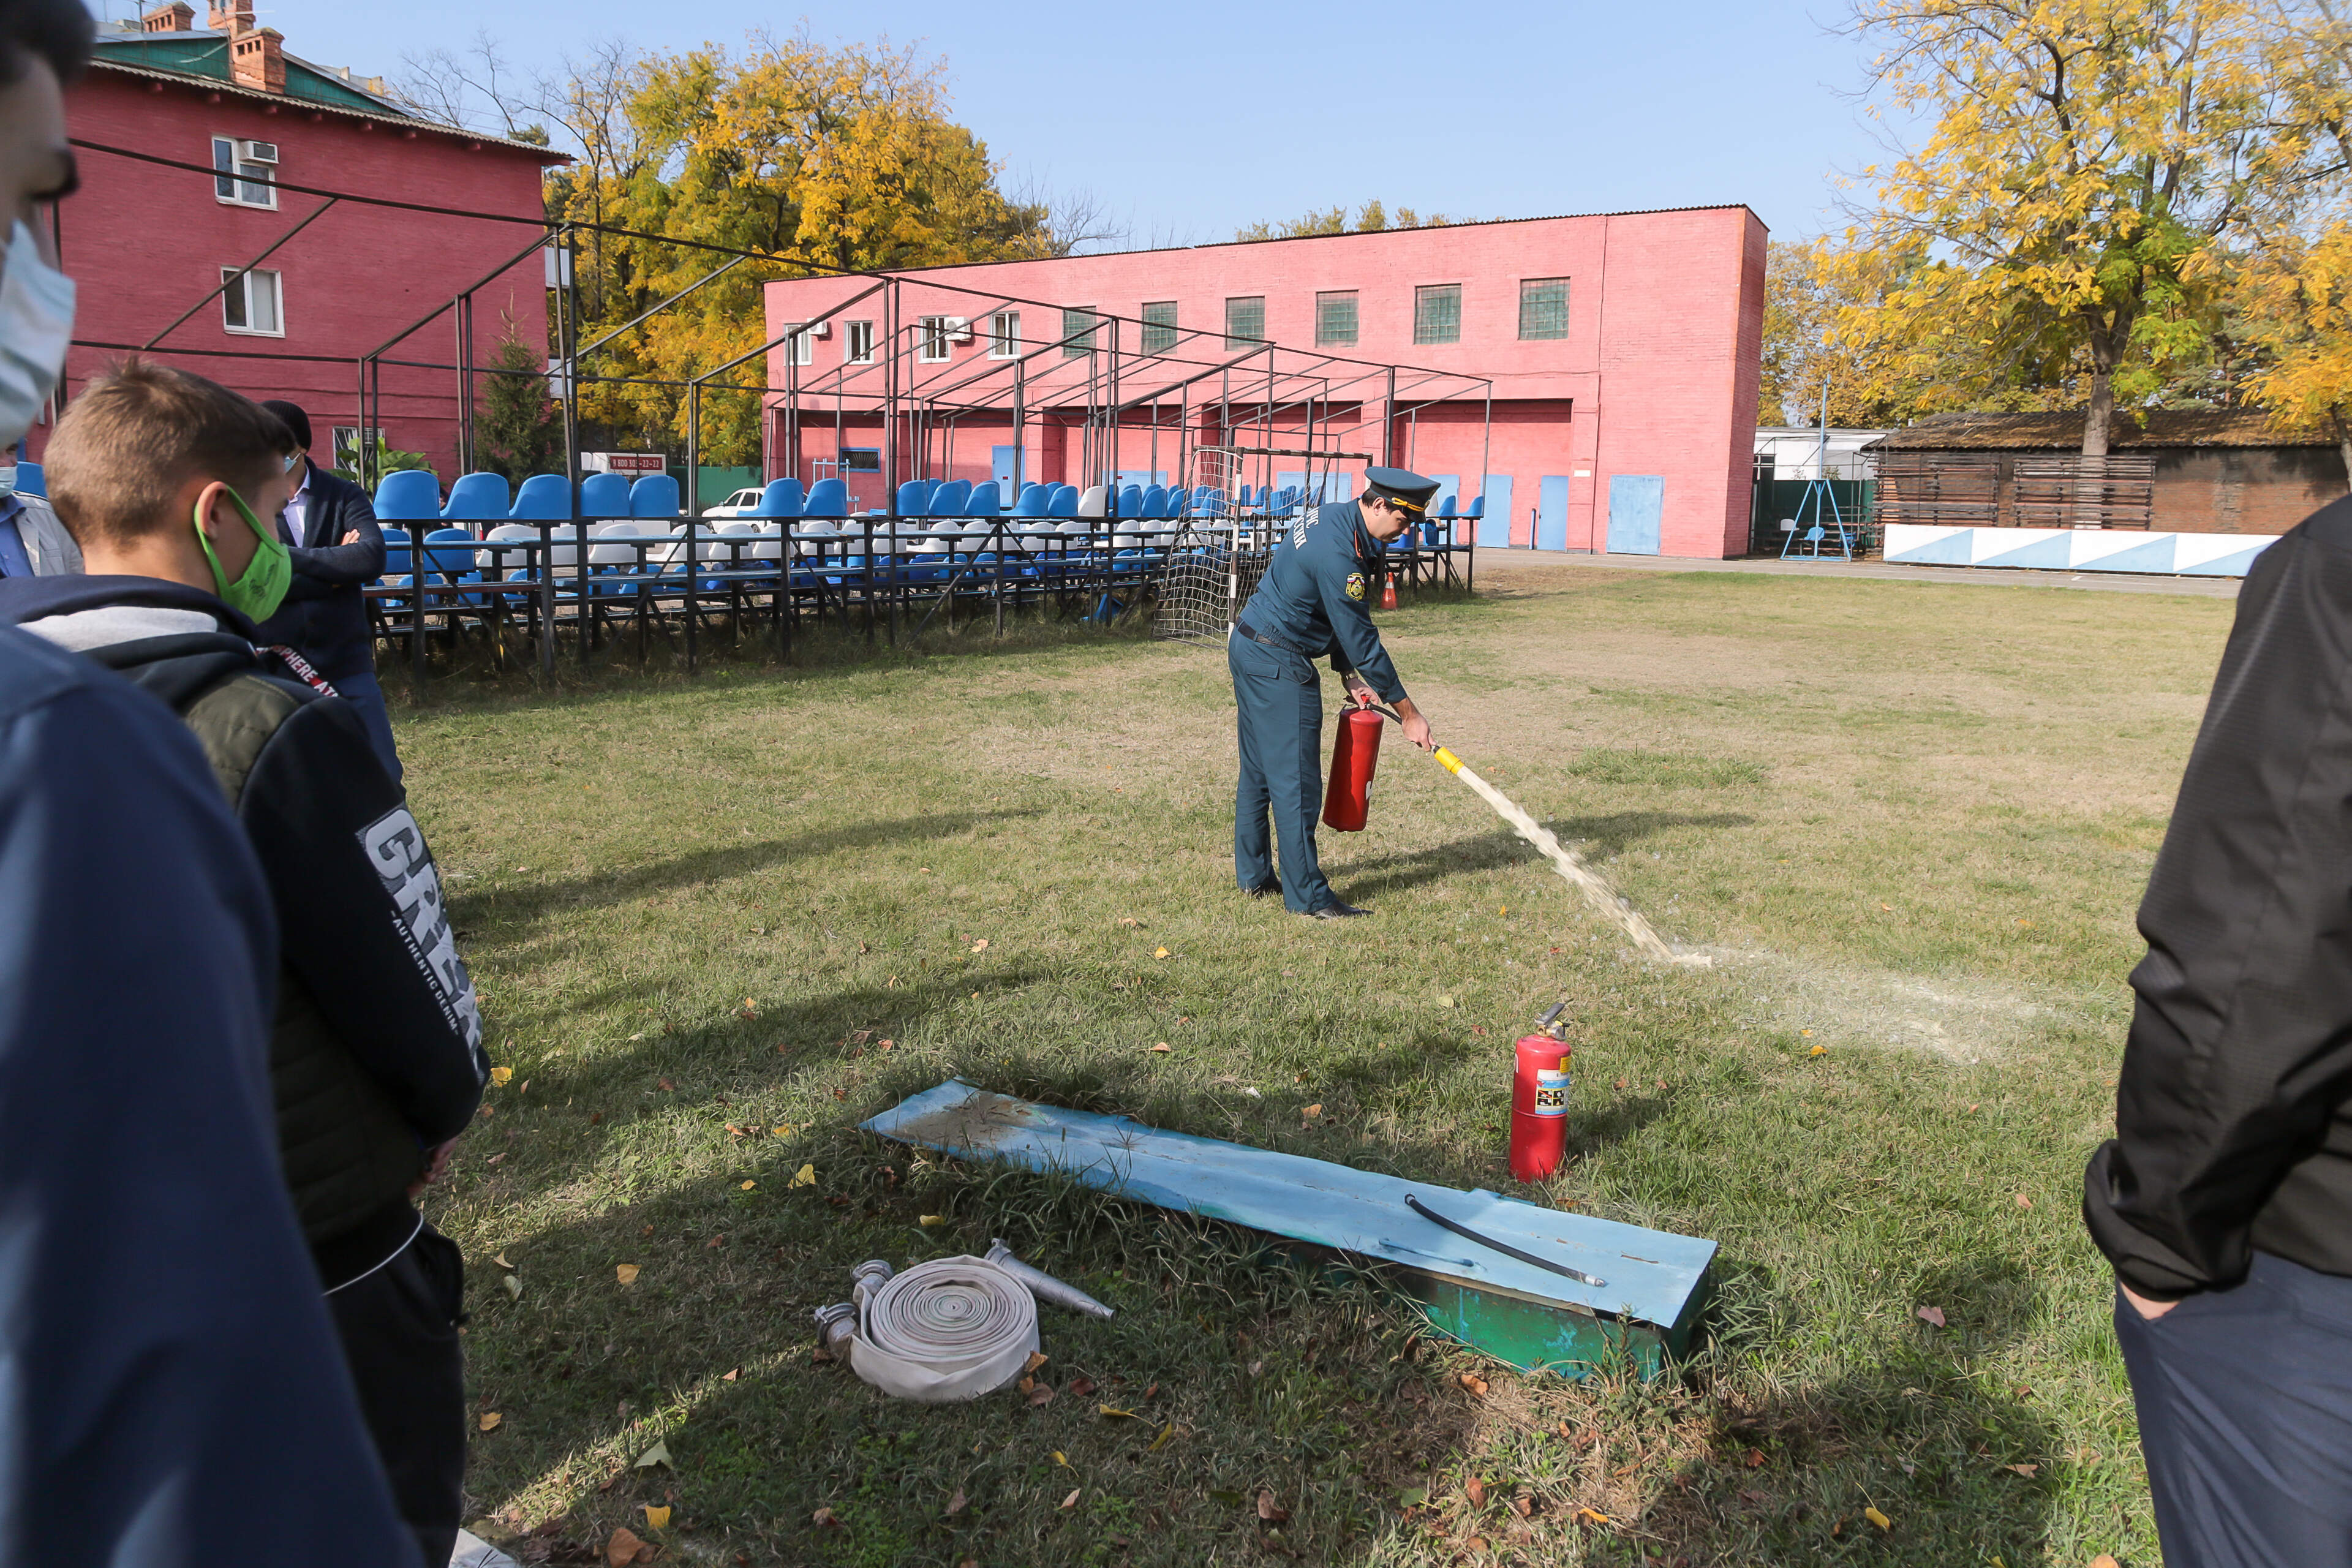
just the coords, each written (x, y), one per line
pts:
(2295, 297)
(2060, 229)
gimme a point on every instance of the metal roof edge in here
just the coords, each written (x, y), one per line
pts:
(311, 105)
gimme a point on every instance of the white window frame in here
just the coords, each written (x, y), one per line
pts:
(932, 334)
(853, 335)
(239, 290)
(1004, 335)
(249, 183)
(349, 441)
(802, 344)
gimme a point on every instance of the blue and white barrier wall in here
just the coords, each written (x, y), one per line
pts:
(2076, 549)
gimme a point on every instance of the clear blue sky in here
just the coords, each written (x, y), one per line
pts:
(1191, 119)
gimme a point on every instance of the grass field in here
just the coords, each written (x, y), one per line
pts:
(720, 921)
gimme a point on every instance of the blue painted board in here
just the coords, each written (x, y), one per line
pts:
(1005, 466)
(1651, 1276)
(1551, 513)
(1637, 503)
(1495, 525)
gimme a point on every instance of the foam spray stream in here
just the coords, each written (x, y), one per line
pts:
(1586, 880)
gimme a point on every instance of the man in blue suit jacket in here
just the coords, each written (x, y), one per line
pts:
(338, 547)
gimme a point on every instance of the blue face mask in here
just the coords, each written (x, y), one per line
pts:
(37, 316)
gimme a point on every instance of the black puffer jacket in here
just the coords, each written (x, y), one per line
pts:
(377, 1054)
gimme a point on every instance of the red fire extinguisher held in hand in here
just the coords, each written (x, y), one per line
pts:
(1354, 753)
(1539, 1100)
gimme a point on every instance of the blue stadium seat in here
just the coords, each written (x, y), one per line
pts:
(782, 497)
(1064, 501)
(915, 496)
(544, 498)
(987, 501)
(949, 499)
(1477, 508)
(1445, 507)
(449, 557)
(1155, 501)
(1032, 500)
(827, 499)
(654, 495)
(30, 479)
(411, 495)
(477, 498)
(1130, 500)
(604, 496)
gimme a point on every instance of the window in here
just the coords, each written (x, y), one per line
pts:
(799, 345)
(241, 178)
(1078, 331)
(1158, 326)
(1245, 322)
(251, 303)
(934, 341)
(348, 445)
(857, 342)
(1004, 335)
(1437, 313)
(1543, 307)
(1335, 319)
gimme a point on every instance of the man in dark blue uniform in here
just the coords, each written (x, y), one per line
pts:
(1314, 600)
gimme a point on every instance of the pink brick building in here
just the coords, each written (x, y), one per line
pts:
(146, 242)
(1621, 350)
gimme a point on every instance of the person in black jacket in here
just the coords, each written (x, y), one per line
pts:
(376, 1059)
(337, 547)
(2224, 1200)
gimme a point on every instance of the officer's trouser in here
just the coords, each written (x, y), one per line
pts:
(1278, 705)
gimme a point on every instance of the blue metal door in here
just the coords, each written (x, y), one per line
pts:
(1551, 513)
(1004, 463)
(1494, 523)
(1636, 501)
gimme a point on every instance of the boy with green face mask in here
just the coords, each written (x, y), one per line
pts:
(164, 478)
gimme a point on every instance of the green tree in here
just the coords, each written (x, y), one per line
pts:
(1369, 218)
(517, 432)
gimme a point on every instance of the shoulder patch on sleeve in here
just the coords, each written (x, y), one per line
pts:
(1356, 586)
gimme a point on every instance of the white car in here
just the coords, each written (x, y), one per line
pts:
(740, 504)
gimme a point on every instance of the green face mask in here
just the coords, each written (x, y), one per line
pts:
(256, 595)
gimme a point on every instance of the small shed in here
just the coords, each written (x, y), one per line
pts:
(2172, 470)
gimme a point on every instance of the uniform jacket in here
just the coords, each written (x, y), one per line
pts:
(167, 1356)
(52, 548)
(2232, 1130)
(324, 618)
(377, 1054)
(1316, 595)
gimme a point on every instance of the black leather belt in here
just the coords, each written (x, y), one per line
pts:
(1254, 635)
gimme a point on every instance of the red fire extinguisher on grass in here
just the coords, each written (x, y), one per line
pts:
(1354, 751)
(1539, 1100)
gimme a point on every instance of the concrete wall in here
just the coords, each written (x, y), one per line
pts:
(1657, 375)
(144, 242)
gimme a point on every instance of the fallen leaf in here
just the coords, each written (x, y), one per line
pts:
(1159, 952)
(1807, 1033)
(1523, 1505)
(1062, 1460)
(1311, 1112)
(2103, 1561)
(1594, 1515)
(783, 1131)
(824, 1519)
(959, 1502)
(514, 1285)
(1162, 1046)
(728, 1376)
(1473, 1383)
(657, 1516)
(1269, 1511)
(1888, 907)
(749, 1185)
(931, 1221)
(2027, 923)
(1161, 1441)
(1041, 1395)
(1819, 1051)
(499, 1076)
(2028, 1471)
(500, 1259)
(624, 1547)
(625, 1272)
(1036, 1358)
(2023, 1202)
(656, 1454)
(1082, 1386)
(595, 1117)
(1256, 1367)
(1413, 1497)
(1755, 1458)
(1934, 1315)
(1130, 921)
(1476, 1490)
(804, 1177)
(1071, 1501)
(664, 1085)
(1878, 1519)
(1115, 1410)
(491, 1419)
(1480, 1543)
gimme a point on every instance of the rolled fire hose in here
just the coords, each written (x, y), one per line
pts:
(947, 1330)
(1568, 864)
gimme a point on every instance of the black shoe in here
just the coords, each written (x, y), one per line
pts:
(1335, 911)
(1264, 889)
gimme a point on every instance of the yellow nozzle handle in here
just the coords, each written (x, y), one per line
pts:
(1452, 763)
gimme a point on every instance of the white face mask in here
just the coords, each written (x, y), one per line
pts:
(37, 316)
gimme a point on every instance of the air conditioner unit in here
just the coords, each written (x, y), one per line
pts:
(257, 152)
(959, 329)
(821, 329)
